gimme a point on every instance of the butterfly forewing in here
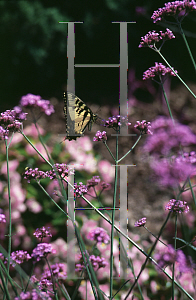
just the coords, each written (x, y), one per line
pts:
(77, 116)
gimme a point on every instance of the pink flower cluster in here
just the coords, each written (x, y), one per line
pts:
(153, 37)
(158, 70)
(174, 9)
(32, 101)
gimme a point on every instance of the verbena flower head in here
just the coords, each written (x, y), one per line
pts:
(41, 233)
(158, 70)
(42, 250)
(100, 136)
(96, 261)
(32, 101)
(61, 169)
(40, 295)
(95, 180)
(153, 37)
(116, 121)
(19, 257)
(175, 9)
(143, 127)
(98, 235)
(58, 271)
(10, 122)
(177, 206)
(80, 189)
(140, 222)
(167, 136)
(34, 174)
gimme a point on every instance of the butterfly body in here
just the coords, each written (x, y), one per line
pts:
(78, 116)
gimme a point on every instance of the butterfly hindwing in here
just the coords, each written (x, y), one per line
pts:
(78, 116)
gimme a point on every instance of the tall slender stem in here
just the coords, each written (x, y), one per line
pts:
(113, 216)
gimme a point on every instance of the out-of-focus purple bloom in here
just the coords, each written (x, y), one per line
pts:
(143, 127)
(58, 271)
(116, 121)
(153, 37)
(42, 250)
(19, 257)
(19, 113)
(98, 235)
(158, 70)
(40, 295)
(80, 189)
(169, 173)
(140, 222)
(31, 101)
(100, 136)
(97, 262)
(24, 296)
(105, 185)
(34, 174)
(93, 181)
(177, 206)
(169, 256)
(167, 136)
(41, 233)
(2, 218)
(174, 9)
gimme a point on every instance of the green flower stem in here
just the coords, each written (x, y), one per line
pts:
(52, 277)
(64, 291)
(187, 45)
(130, 149)
(36, 149)
(165, 96)
(10, 211)
(109, 150)
(158, 51)
(113, 216)
(154, 235)
(6, 293)
(173, 269)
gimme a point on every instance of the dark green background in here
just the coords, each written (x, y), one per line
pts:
(33, 54)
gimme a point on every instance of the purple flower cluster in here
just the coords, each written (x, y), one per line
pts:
(116, 121)
(100, 136)
(99, 235)
(42, 250)
(30, 173)
(32, 101)
(80, 189)
(153, 37)
(177, 206)
(158, 70)
(174, 9)
(143, 127)
(10, 123)
(140, 222)
(58, 271)
(41, 233)
(105, 185)
(34, 174)
(34, 295)
(95, 180)
(167, 137)
(96, 261)
(19, 257)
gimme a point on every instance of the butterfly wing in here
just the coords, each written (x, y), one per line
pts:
(77, 116)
